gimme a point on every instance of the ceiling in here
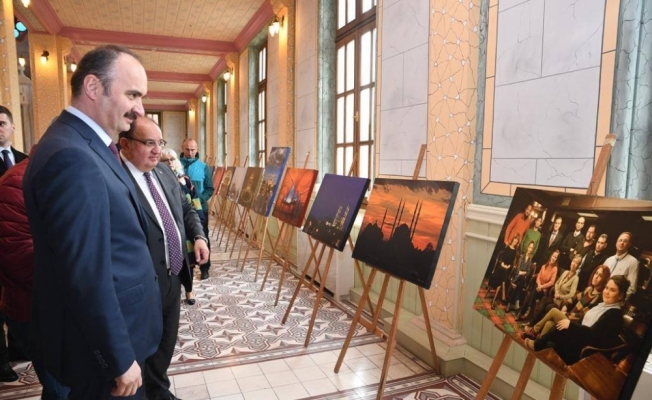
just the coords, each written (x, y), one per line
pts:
(182, 43)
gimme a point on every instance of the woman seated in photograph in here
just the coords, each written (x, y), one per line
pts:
(546, 278)
(563, 295)
(504, 264)
(590, 297)
(520, 277)
(599, 328)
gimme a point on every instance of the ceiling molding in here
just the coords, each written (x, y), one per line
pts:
(255, 24)
(149, 42)
(45, 14)
(219, 67)
(169, 95)
(165, 107)
(177, 77)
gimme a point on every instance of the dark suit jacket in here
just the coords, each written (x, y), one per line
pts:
(183, 213)
(18, 156)
(545, 248)
(96, 305)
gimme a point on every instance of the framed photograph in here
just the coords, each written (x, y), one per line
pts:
(250, 185)
(569, 279)
(217, 177)
(294, 195)
(236, 183)
(226, 182)
(335, 208)
(269, 184)
(404, 227)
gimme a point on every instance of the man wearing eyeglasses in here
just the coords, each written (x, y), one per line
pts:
(202, 179)
(170, 220)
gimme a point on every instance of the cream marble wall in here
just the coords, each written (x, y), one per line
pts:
(403, 53)
(173, 125)
(306, 83)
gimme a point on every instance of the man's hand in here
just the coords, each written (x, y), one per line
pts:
(129, 382)
(201, 251)
(563, 324)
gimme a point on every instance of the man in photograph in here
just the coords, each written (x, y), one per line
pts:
(591, 261)
(570, 242)
(518, 225)
(96, 306)
(623, 263)
(550, 242)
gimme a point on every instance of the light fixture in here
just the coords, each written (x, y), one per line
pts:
(227, 74)
(25, 3)
(275, 26)
(44, 56)
(204, 98)
(21, 61)
(73, 66)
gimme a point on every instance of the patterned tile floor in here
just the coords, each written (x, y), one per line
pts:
(232, 346)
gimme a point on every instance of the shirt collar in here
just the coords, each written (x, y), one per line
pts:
(137, 174)
(104, 137)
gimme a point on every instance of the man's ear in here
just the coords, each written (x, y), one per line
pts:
(92, 86)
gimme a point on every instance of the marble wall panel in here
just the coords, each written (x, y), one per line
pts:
(520, 37)
(517, 170)
(415, 68)
(564, 172)
(403, 132)
(406, 24)
(576, 48)
(306, 77)
(306, 113)
(552, 117)
(391, 95)
(506, 4)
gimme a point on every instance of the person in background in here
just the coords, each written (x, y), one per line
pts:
(623, 263)
(570, 242)
(544, 281)
(591, 261)
(533, 235)
(202, 179)
(170, 220)
(96, 305)
(518, 225)
(169, 158)
(16, 272)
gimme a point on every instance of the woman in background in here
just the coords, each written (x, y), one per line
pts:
(544, 282)
(504, 265)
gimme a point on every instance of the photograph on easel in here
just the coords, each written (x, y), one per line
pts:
(251, 182)
(335, 208)
(236, 183)
(217, 176)
(404, 227)
(269, 184)
(226, 182)
(570, 280)
(294, 195)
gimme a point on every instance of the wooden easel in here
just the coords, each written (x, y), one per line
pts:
(230, 217)
(213, 206)
(559, 382)
(391, 336)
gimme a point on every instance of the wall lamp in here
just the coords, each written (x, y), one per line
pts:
(45, 56)
(227, 74)
(275, 26)
(204, 98)
(21, 61)
(73, 66)
(25, 3)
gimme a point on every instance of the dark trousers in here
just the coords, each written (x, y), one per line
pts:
(100, 390)
(52, 390)
(204, 225)
(155, 377)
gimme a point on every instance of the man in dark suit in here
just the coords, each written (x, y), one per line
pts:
(170, 220)
(96, 306)
(550, 242)
(591, 261)
(8, 155)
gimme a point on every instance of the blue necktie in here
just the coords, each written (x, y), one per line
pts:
(174, 245)
(7, 160)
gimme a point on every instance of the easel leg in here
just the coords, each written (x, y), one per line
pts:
(302, 279)
(253, 233)
(269, 264)
(558, 386)
(262, 248)
(379, 306)
(356, 318)
(242, 226)
(495, 366)
(358, 269)
(391, 340)
(524, 377)
(320, 293)
(286, 251)
(426, 320)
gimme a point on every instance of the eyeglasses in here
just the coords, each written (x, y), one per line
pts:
(168, 159)
(150, 143)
